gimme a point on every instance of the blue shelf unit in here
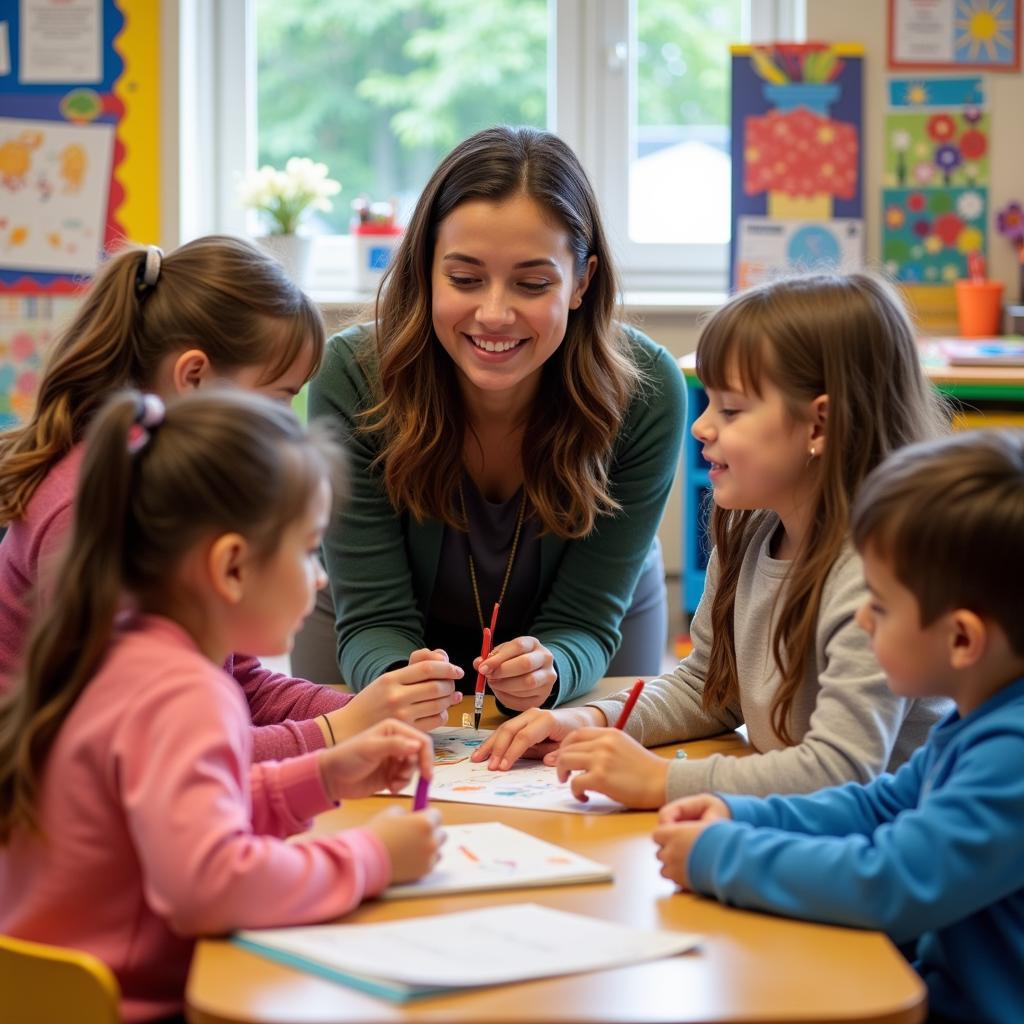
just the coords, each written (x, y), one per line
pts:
(696, 502)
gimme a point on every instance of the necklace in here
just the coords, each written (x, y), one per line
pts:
(511, 555)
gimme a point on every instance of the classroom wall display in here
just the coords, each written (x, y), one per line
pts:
(936, 176)
(955, 35)
(79, 162)
(797, 182)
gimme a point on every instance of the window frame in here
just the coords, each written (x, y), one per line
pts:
(591, 83)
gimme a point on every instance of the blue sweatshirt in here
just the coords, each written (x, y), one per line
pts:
(933, 856)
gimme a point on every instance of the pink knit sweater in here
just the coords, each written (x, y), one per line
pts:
(283, 709)
(156, 827)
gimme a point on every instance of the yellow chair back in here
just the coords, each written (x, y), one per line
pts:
(45, 984)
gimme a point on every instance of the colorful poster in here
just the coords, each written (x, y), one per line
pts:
(936, 173)
(765, 247)
(929, 233)
(54, 194)
(796, 144)
(955, 34)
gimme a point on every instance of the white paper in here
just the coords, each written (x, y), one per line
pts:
(53, 198)
(766, 248)
(922, 32)
(5, 49)
(489, 855)
(496, 946)
(527, 784)
(61, 41)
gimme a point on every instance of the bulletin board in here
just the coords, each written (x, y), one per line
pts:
(797, 157)
(79, 137)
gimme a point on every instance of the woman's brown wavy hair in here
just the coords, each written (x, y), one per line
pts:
(219, 294)
(845, 336)
(585, 386)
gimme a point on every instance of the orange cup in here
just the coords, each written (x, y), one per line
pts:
(979, 308)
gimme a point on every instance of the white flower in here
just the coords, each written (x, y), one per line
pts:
(283, 196)
(970, 205)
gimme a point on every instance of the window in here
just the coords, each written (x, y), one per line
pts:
(379, 90)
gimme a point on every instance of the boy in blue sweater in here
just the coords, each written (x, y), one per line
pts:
(933, 855)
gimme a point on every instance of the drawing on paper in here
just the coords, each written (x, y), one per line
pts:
(54, 193)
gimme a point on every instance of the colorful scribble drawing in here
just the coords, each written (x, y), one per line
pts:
(73, 165)
(527, 784)
(454, 745)
(490, 855)
(16, 158)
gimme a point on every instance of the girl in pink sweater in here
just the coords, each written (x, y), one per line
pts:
(131, 816)
(217, 308)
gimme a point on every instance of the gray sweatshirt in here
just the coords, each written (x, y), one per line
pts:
(847, 723)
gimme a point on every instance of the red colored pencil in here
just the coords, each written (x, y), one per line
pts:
(628, 706)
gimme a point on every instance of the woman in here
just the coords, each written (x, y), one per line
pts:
(510, 442)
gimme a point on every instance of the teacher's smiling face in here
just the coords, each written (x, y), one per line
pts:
(503, 285)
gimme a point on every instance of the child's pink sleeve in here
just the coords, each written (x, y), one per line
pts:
(183, 774)
(283, 709)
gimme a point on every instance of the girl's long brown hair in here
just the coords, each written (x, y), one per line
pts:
(223, 461)
(847, 337)
(219, 294)
(586, 385)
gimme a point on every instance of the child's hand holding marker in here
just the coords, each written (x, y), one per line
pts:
(413, 840)
(420, 693)
(680, 823)
(385, 756)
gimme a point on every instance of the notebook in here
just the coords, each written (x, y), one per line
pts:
(983, 351)
(402, 960)
(489, 855)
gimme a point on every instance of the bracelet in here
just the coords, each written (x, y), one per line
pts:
(327, 722)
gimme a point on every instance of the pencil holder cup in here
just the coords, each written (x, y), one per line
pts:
(374, 247)
(979, 308)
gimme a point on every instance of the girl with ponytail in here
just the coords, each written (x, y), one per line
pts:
(216, 309)
(127, 789)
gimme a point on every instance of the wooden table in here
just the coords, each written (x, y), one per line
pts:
(749, 967)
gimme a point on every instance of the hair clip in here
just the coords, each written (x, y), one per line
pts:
(149, 414)
(149, 270)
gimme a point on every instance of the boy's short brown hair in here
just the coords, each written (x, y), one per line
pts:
(948, 517)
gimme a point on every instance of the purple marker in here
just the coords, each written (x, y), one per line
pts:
(419, 801)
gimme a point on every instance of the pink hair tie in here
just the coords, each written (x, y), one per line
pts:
(149, 414)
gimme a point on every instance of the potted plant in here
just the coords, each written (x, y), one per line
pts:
(281, 198)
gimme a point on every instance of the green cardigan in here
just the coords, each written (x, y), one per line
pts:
(382, 565)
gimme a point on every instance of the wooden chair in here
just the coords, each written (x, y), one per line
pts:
(44, 984)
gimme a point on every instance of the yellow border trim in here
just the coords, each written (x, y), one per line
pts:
(841, 49)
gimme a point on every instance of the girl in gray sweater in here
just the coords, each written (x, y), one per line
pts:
(811, 382)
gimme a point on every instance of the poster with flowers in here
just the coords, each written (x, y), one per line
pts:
(936, 176)
(796, 154)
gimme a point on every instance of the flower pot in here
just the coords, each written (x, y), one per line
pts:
(293, 252)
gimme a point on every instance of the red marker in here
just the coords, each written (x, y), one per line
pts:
(628, 706)
(481, 682)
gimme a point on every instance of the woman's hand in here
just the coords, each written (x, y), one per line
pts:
(420, 693)
(385, 756)
(610, 762)
(533, 734)
(521, 672)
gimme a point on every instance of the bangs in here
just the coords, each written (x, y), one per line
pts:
(733, 348)
(305, 326)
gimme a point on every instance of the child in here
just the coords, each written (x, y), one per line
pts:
(811, 382)
(217, 308)
(131, 820)
(931, 855)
